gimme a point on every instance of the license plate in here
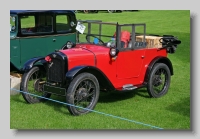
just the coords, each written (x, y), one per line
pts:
(54, 90)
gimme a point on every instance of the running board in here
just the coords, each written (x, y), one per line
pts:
(128, 87)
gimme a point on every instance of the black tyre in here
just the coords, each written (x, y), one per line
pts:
(32, 82)
(83, 92)
(159, 80)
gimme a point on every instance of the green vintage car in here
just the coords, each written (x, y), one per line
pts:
(35, 33)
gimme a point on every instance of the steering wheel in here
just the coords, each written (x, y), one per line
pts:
(90, 35)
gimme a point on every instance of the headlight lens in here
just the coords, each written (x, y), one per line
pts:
(113, 52)
(69, 44)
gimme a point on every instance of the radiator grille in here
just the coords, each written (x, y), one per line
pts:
(55, 71)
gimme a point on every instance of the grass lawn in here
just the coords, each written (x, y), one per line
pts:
(133, 110)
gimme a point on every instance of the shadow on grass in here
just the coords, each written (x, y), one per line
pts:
(58, 102)
(182, 107)
(115, 96)
(58, 105)
(118, 96)
(142, 93)
(104, 97)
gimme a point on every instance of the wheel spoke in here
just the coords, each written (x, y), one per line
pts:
(159, 80)
(84, 94)
(32, 85)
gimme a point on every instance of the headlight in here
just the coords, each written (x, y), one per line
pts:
(69, 44)
(113, 52)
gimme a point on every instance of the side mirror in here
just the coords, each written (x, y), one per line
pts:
(72, 24)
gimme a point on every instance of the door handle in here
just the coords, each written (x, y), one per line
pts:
(54, 40)
(142, 56)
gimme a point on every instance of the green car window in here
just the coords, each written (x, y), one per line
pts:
(62, 23)
(36, 24)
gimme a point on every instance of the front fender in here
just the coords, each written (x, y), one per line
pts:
(31, 62)
(73, 72)
(101, 77)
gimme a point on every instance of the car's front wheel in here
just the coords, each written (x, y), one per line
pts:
(82, 94)
(159, 80)
(32, 85)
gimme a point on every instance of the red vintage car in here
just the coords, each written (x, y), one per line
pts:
(122, 59)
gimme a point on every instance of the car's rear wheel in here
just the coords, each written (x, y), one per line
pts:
(32, 85)
(82, 94)
(159, 80)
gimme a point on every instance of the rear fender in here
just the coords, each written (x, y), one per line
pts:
(101, 77)
(158, 60)
(32, 62)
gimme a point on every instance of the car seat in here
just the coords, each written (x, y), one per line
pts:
(125, 38)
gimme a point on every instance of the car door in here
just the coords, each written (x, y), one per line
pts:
(129, 63)
(36, 35)
(131, 51)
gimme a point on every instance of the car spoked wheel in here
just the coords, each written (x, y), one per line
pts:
(38, 85)
(32, 82)
(82, 94)
(159, 80)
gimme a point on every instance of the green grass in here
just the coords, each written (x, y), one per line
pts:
(171, 111)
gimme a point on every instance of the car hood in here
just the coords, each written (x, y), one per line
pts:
(96, 49)
(84, 54)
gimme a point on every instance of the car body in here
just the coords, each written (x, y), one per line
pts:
(123, 60)
(36, 33)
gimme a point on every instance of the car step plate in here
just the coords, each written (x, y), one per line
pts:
(128, 87)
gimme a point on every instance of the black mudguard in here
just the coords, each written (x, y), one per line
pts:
(101, 77)
(31, 62)
(158, 60)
